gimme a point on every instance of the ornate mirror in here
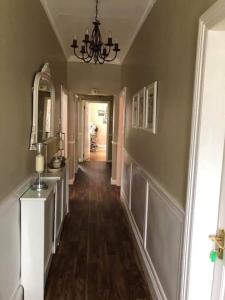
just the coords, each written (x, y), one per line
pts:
(43, 108)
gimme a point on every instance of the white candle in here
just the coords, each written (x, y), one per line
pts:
(61, 144)
(39, 166)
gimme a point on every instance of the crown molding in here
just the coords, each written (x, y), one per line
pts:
(141, 22)
(54, 27)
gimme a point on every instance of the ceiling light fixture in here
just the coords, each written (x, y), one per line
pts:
(92, 48)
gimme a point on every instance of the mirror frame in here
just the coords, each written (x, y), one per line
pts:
(46, 75)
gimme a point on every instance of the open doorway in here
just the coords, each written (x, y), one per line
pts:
(95, 128)
(98, 130)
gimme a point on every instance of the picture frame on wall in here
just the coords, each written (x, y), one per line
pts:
(135, 110)
(101, 113)
(141, 108)
(150, 107)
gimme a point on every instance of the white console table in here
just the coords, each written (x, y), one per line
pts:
(42, 215)
(37, 240)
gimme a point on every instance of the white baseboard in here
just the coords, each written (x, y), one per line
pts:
(71, 181)
(18, 294)
(113, 181)
(48, 263)
(101, 146)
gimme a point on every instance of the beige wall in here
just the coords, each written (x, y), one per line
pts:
(83, 77)
(164, 50)
(27, 41)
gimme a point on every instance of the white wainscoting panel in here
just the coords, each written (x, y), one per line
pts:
(164, 242)
(138, 198)
(126, 178)
(159, 218)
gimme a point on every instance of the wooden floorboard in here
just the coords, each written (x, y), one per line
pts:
(98, 155)
(97, 259)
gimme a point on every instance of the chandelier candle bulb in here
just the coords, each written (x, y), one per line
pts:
(86, 37)
(61, 144)
(82, 49)
(116, 47)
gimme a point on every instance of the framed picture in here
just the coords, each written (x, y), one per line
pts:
(101, 113)
(135, 111)
(141, 108)
(150, 105)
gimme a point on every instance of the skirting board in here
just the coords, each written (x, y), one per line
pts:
(113, 181)
(18, 294)
(71, 181)
(48, 264)
(151, 276)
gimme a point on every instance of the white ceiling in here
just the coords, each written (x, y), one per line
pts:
(122, 17)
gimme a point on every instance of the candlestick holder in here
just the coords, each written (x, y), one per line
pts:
(39, 184)
(61, 148)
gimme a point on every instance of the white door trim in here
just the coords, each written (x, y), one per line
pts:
(120, 137)
(207, 21)
(63, 106)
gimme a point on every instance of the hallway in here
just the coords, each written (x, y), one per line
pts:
(97, 258)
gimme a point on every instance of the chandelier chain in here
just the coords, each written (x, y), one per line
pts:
(96, 8)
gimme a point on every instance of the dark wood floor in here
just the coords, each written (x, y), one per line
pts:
(96, 259)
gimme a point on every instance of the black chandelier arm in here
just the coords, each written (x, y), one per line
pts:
(75, 53)
(89, 52)
(108, 54)
(101, 60)
(103, 57)
(108, 50)
(88, 59)
(85, 59)
(111, 59)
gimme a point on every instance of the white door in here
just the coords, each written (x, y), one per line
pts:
(218, 288)
(86, 133)
(205, 209)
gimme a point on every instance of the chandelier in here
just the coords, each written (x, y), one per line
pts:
(93, 49)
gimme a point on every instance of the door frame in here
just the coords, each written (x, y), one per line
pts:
(82, 139)
(121, 137)
(201, 211)
(64, 92)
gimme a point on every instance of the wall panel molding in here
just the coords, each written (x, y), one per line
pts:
(160, 246)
